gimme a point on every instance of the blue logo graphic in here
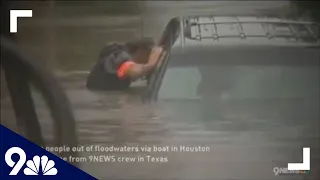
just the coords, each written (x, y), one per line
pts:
(22, 159)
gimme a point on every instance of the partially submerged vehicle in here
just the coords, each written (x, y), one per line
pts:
(225, 51)
(247, 87)
(255, 75)
(255, 65)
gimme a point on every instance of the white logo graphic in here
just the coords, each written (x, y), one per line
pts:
(296, 168)
(14, 14)
(46, 166)
(305, 165)
(33, 166)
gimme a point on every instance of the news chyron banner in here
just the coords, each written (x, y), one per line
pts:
(22, 159)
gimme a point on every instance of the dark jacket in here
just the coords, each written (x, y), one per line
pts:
(103, 75)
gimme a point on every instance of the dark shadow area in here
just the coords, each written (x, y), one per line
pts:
(308, 8)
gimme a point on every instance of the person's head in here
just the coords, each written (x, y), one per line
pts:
(140, 49)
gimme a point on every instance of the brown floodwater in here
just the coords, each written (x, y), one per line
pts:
(247, 143)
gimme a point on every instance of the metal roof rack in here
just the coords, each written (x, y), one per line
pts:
(211, 27)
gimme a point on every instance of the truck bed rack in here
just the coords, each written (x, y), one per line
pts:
(215, 28)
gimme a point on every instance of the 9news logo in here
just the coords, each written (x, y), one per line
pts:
(36, 166)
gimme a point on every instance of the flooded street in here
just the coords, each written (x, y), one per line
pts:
(247, 143)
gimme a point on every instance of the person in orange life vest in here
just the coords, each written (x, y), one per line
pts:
(120, 64)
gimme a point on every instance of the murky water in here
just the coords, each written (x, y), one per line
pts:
(247, 144)
(69, 36)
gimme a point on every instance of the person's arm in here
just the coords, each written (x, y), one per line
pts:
(135, 71)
